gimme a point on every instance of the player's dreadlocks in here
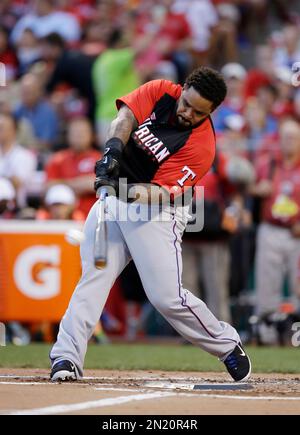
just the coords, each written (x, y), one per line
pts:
(209, 83)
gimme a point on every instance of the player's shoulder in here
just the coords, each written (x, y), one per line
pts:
(162, 86)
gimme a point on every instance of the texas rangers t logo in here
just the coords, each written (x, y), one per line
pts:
(189, 173)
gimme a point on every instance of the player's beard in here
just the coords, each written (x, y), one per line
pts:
(182, 123)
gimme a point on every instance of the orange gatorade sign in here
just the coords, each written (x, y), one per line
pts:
(39, 269)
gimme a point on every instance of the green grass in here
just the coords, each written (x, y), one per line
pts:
(153, 357)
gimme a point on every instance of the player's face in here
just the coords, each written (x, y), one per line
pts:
(192, 108)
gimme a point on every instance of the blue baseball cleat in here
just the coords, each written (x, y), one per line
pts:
(63, 371)
(238, 364)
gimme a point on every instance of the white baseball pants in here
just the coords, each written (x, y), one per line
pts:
(155, 247)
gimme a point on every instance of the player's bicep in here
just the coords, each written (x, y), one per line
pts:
(126, 114)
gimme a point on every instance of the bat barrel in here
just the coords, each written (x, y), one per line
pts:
(100, 248)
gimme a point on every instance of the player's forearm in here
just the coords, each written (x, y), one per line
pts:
(123, 125)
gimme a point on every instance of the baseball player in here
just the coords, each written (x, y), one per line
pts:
(162, 140)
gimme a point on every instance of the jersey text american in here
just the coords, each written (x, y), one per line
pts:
(144, 137)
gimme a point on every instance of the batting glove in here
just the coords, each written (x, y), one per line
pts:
(107, 169)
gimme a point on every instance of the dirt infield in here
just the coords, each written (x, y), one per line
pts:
(24, 391)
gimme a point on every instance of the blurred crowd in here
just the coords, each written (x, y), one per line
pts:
(62, 65)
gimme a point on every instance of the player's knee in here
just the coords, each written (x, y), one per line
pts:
(163, 305)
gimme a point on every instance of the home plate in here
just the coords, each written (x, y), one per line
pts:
(202, 387)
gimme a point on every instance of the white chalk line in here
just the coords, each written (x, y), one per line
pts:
(23, 377)
(223, 396)
(147, 395)
(197, 393)
(24, 383)
(102, 388)
(60, 409)
(104, 378)
(130, 390)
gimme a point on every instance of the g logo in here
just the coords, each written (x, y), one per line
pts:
(296, 74)
(36, 274)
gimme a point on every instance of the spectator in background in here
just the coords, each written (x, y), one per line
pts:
(104, 18)
(283, 105)
(203, 19)
(223, 44)
(233, 140)
(46, 19)
(83, 10)
(266, 96)
(9, 13)
(75, 166)
(234, 74)
(171, 39)
(261, 126)
(262, 73)
(41, 116)
(95, 37)
(28, 51)
(296, 103)
(287, 51)
(60, 204)
(69, 66)
(114, 74)
(7, 199)
(7, 56)
(278, 238)
(16, 163)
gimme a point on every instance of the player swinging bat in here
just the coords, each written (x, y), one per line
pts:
(162, 139)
